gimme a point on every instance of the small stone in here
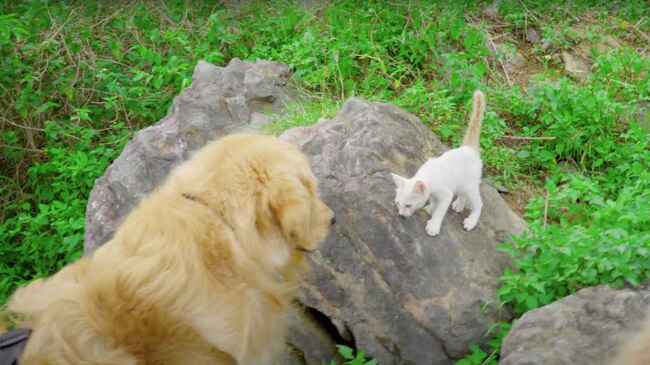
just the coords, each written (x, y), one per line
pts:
(575, 66)
(607, 44)
(492, 11)
(532, 36)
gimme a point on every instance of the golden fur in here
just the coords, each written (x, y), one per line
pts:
(202, 271)
(636, 351)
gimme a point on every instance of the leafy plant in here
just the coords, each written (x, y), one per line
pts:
(478, 356)
(352, 357)
(45, 231)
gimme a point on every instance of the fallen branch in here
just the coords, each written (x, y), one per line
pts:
(22, 148)
(529, 138)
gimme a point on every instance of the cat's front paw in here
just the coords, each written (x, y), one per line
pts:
(432, 228)
(469, 223)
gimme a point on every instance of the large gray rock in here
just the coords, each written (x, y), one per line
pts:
(386, 286)
(586, 328)
(219, 101)
(380, 283)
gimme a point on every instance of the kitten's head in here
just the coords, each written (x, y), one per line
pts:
(410, 195)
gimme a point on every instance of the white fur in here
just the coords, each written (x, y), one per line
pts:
(456, 172)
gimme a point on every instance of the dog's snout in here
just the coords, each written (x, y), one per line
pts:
(333, 221)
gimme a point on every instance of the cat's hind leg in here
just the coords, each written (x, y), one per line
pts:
(474, 197)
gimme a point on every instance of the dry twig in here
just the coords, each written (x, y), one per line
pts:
(503, 66)
(529, 138)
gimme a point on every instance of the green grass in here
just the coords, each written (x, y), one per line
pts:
(78, 78)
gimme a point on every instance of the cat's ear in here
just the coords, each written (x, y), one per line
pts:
(419, 187)
(399, 181)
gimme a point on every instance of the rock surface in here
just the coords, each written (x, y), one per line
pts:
(220, 100)
(379, 283)
(586, 328)
(388, 287)
(575, 65)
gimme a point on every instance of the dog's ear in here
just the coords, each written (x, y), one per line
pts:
(292, 207)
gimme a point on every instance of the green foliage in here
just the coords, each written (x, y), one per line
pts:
(305, 113)
(595, 238)
(592, 227)
(44, 230)
(352, 357)
(478, 356)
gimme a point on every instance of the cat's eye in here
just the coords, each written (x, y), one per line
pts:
(408, 206)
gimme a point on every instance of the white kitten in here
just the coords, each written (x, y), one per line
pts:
(455, 172)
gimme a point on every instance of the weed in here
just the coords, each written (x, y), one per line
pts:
(44, 231)
(478, 356)
(303, 113)
(352, 357)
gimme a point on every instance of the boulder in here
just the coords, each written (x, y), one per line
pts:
(586, 328)
(219, 101)
(379, 283)
(386, 286)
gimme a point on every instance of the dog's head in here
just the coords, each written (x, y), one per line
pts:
(302, 216)
(263, 184)
(288, 201)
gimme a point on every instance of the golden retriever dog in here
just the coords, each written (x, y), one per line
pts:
(202, 271)
(636, 350)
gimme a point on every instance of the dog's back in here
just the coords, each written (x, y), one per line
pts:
(191, 275)
(636, 351)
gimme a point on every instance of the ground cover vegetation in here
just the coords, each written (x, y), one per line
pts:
(566, 133)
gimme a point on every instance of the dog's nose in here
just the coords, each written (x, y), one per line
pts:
(333, 220)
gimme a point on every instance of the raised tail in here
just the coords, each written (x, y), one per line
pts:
(473, 133)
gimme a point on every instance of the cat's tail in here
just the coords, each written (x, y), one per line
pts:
(473, 133)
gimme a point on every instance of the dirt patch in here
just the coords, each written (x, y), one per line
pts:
(518, 200)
